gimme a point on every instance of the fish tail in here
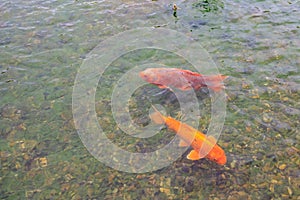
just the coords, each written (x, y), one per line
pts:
(223, 77)
(215, 82)
(216, 87)
(157, 117)
(215, 78)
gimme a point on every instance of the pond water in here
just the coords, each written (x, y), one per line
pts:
(43, 44)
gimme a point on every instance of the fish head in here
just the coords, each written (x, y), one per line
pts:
(149, 75)
(221, 160)
(217, 155)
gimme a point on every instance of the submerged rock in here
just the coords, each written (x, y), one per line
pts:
(197, 23)
(10, 112)
(189, 184)
(282, 127)
(246, 70)
(292, 111)
(267, 118)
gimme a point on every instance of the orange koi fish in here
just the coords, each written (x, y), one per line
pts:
(182, 79)
(197, 139)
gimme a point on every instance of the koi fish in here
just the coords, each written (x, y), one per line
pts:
(182, 79)
(203, 146)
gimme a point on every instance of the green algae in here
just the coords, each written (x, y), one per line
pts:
(209, 5)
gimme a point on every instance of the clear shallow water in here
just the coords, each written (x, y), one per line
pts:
(43, 44)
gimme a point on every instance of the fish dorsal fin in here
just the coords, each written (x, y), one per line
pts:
(206, 148)
(194, 155)
(212, 139)
(182, 143)
(191, 73)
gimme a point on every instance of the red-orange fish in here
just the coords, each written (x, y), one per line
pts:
(203, 146)
(182, 79)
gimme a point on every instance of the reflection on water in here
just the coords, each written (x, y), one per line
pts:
(43, 44)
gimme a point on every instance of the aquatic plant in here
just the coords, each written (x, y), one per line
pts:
(208, 5)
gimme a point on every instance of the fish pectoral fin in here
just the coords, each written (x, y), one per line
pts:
(162, 86)
(186, 87)
(194, 155)
(157, 117)
(182, 143)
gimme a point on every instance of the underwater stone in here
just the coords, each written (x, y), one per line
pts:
(282, 127)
